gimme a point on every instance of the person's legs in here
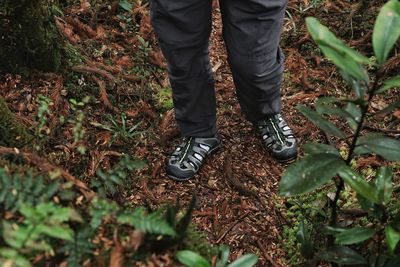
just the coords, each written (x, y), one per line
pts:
(183, 29)
(252, 32)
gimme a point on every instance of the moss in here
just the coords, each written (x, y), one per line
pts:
(12, 133)
(164, 98)
(28, 37)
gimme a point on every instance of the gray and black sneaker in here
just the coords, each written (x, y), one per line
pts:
(278, 138)
(189, 156)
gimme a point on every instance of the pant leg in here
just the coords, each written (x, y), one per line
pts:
(252, 33)
(183, 29)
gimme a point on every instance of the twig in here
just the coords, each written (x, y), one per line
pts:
(390, 131)
(148, 193)
(266, 255)
(233, 181)
(355, 212)
(231, 226)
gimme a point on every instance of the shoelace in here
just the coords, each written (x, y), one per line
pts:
(186, 149)
(278, 130)
(271, 125)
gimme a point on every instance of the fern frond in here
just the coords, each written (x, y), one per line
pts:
(152, 223)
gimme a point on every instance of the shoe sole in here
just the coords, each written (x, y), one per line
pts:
(287, 161)
(212, 151)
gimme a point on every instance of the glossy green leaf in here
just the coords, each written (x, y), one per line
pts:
(351, 113)
(224, 252)
(309, 173)
(334, 49)
(306, 245)
(247, 260)
(386, 30)
(377, 260)
(327, 106)
(355, 115)
(333, 230)
(359, 88)
(317, 148)
(358, 183)
(384, 146)
(384, 185)
(342, 255)
(354, 235)
(372, 208)
(191, 259)
(124, 4)
(320, 122)
(392, 237)
(389, 84)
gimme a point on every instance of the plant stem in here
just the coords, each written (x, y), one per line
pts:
(353, 145)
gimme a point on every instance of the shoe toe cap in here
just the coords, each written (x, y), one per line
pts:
(178, 172)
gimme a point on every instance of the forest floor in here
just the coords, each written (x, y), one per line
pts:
(237, 189)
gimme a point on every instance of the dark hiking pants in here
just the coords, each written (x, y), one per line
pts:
(251, 30)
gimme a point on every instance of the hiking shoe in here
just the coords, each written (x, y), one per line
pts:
(278, 138)
(189, 156)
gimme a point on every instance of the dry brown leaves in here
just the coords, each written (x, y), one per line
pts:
(97, 157)
(117, 257)
(103, 95)
(157, 59)
(68, 31)
(84, 31)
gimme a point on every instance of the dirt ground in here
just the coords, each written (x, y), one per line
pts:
(237, 189)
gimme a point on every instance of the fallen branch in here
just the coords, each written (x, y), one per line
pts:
(233, 181)
(266, 255)
(231, 226)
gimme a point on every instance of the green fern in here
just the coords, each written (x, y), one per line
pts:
(80, 248)
(16, 189)
(101, 208)
(42, 223)
(149, 223)
(107, 183)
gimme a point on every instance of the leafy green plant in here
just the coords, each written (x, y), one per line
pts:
(120, 132)
(142, 67)
(77, 121)
(125, 5)
(193, 259)
(18, 189)
(42, 223)
(108, 182)
(43, 110)
(322, 162)
(80, 247)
